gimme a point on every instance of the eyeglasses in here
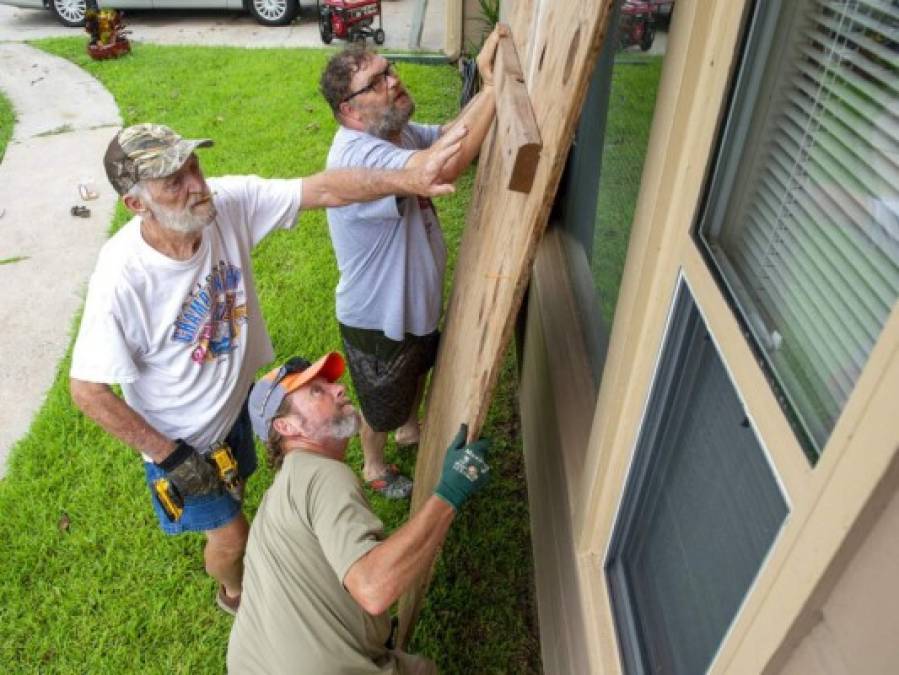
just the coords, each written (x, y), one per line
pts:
(295, 365)
(377, 80)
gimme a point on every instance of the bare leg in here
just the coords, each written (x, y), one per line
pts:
(224, 554)
(410, 432)
(373, 443)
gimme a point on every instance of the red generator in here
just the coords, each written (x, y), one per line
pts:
(349, 20)
(637, 25)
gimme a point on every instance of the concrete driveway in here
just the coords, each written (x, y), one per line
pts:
(202, 27)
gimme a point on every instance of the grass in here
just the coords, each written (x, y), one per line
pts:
(88, 583)
(635, 81)
(7, 119)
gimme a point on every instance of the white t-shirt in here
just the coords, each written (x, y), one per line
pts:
(390, 251)
(185, 338)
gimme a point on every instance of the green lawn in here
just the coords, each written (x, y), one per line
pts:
(88, 583)
(635, 82)
(7, 119)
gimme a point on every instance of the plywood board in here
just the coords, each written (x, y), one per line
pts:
(557, 43)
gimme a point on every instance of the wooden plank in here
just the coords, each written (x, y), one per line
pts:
(515, 117)
(504, 227)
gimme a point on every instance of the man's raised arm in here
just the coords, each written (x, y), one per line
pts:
(477, 116)
(339, 187)
(388, 570)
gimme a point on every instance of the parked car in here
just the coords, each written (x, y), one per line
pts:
(71, 12)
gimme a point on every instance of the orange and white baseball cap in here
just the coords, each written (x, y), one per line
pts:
(273, 387)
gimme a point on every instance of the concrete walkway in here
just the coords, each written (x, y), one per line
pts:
(65, 119)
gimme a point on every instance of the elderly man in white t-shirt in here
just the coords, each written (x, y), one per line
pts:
(172, 317)
(391, 252)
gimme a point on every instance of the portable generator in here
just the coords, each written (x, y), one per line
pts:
(349, 20)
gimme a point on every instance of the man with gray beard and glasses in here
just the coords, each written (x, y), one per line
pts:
(172, 317)
(391, 251)
(320, 573)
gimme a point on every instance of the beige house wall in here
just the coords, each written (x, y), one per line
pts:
(464, 27)
(473, 26)
(838, 546)
(855, 629)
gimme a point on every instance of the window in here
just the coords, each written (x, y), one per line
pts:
(700, 511)
(802, 220)
(599, 191)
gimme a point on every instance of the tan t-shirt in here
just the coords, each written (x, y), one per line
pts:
(295, 615)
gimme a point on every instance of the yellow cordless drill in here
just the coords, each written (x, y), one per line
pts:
(222, 460)
(169, 498)
(221, 457)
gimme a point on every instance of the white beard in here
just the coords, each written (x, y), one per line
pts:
(184, 222)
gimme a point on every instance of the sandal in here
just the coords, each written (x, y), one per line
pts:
(392, 485)
(226, 604)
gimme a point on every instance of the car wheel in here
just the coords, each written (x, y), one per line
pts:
(324, 26)
(69, 12)
(379, 36)
(648, 36)
(274, 12)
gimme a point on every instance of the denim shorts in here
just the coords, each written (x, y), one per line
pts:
(208, 512)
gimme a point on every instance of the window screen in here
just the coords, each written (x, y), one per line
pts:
(700, 512)
(803, 215)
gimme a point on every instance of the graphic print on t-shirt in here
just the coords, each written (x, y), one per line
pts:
(211, 318)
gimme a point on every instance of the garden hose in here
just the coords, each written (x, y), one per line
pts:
(468, 69)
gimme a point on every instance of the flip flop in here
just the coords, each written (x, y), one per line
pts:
(392, 485)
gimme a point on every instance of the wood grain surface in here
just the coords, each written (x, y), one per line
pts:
(557, 44)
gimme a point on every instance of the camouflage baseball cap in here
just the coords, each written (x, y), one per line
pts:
(146, 151)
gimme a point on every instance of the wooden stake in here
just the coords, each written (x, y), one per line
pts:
(515, 118)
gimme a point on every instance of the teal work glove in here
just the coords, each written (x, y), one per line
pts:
(465, 470)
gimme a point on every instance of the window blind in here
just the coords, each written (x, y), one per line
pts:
(811, 246)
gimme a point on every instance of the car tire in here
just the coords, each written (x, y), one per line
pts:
(274, 12)
(648, 36)
(324, 26)
(379, 36)
(69, 13)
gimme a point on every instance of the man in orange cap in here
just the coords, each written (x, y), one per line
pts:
(319, 574)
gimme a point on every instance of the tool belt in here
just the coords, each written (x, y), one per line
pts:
(221, 457)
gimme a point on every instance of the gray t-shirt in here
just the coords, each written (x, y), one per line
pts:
(295, 615)
(390, 252)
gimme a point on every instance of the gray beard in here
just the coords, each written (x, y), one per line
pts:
(339, 428)
(183, 222)
(391, 122)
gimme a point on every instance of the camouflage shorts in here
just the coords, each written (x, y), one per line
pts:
(386, 372)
